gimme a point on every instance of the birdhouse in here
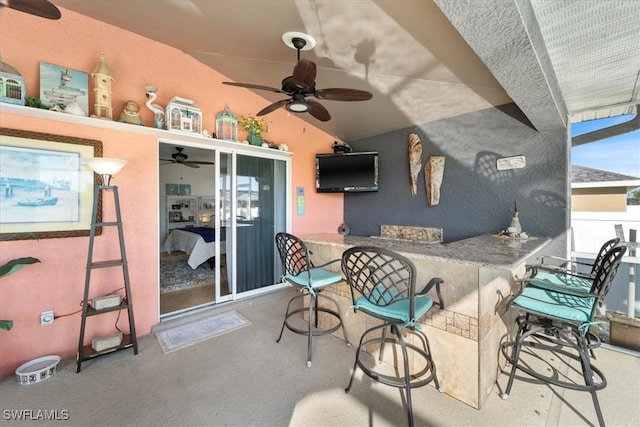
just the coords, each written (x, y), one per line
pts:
(183, 115)
(226, 125)
(102, 90)
(12, 87)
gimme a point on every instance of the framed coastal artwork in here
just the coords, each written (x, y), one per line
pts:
(64, 87)
(46, 189)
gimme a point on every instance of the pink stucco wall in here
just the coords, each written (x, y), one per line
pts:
(57, 283)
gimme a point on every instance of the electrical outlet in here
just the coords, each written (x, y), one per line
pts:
(46, 318)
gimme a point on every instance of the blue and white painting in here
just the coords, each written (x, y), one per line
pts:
(63, 86)
(39, 185)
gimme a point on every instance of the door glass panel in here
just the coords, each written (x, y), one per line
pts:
(260, 213)
(189, 268)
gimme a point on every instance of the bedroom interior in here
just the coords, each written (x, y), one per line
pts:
(187, 260)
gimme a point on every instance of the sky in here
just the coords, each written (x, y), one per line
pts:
(620, 154)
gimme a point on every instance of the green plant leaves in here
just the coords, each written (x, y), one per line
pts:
(16, 264)
(6, 324)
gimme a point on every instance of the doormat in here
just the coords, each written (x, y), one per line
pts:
(182, 336)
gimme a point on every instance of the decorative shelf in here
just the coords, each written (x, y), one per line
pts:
(161, 134)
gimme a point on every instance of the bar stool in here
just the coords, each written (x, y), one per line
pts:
(299, 271)
(383, 285)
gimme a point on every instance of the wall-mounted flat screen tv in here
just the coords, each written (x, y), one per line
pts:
(347, 172)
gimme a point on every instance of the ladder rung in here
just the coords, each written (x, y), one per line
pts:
(105, 264)
(104, 224)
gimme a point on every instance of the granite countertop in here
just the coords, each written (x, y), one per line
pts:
(484, 250)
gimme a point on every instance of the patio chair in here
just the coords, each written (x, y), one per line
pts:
(299, 271)
(558, 317)
(383, 285)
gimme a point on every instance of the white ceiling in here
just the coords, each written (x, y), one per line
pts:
(594, 47)
(423, 60)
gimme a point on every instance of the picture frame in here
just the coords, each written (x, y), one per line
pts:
(62, 86)
(207, 204)
(171, 189)
(175, 216)
(46, 189)
(184, 189)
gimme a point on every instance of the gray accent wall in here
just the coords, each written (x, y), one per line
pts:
(475, 198)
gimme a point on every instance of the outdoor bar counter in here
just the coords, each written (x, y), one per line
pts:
(478, 276)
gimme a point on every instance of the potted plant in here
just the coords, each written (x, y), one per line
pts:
(11, 267)
(256, 126)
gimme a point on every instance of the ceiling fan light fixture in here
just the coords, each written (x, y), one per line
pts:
(297, 107)
(289, 39)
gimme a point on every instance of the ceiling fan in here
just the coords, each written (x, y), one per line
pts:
(41, 8)
(302, 85)
(181, 158)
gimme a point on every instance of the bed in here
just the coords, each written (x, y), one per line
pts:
(197, 242)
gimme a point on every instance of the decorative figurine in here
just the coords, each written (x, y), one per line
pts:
(102, 90)
(515, 226)
(158, 111)
(183, 115)
(226, 125)
(131, 113)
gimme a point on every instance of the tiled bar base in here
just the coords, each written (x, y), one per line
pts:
(478, 277)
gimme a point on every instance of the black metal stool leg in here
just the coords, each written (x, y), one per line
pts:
(515, 355)
(425, 342)
(384, 340)
(286, 315)
(587, 372)
(313, 309)
(407, 373)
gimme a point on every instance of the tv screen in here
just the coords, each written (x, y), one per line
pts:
(347, 172)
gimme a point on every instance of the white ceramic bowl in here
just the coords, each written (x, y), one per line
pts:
(37, 370)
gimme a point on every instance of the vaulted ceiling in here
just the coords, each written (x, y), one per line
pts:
(423, 60)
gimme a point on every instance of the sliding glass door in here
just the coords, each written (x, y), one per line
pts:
(217, 239)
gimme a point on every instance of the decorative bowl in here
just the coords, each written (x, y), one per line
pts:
(38, 369)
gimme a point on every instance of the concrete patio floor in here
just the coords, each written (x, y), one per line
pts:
(245, 378)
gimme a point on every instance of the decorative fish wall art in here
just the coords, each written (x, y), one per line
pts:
(415, 161)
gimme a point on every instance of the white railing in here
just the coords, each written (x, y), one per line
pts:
(589, 231)
(592, 229)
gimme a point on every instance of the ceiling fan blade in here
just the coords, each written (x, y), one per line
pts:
(318, 111)
(272, 107)
(252, 86)
(190, 164)
(289, 85)
(342, 94)
(198, 162)
(304, 73)
(41, 8)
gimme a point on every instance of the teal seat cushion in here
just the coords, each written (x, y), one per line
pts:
(556, 304)
(398, 310)
(551, 280)
(319, 278)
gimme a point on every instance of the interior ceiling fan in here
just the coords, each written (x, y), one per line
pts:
(41, 8)
(302, 84)
(181, 158)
